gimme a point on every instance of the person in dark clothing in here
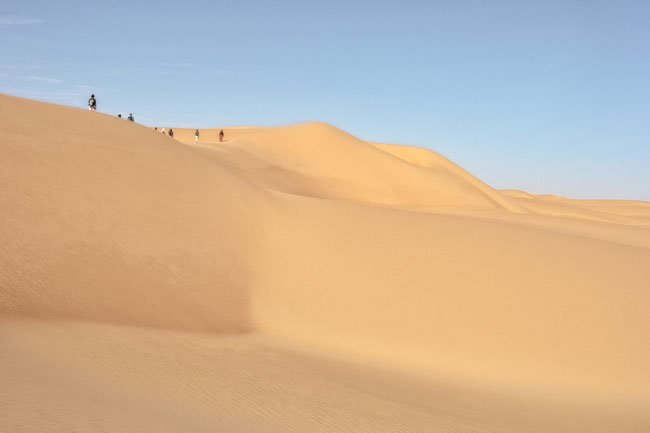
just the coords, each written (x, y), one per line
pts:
(92, 103)
(131, 117)
(221, 135)
(171, 133)
(196, 137)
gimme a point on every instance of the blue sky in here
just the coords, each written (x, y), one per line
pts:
(549, 97)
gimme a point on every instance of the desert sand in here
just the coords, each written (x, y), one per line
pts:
(301, 279)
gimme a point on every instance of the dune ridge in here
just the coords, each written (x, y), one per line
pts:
(301, 279)
(319, 160)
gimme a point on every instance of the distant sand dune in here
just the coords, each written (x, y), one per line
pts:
(319, 160)
(297, 278)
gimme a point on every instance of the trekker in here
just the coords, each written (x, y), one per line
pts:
(92, 103)
(171, 133)
(196, 137)
(131, 117)
(221, 135)
(163, 132)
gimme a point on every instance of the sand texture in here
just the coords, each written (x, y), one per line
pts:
(301, 279)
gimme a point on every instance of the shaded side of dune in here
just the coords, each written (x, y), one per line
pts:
(104, 220)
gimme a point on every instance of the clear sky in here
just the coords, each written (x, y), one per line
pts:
(545, 96)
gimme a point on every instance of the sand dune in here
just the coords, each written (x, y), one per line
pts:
(319, 160)
(461, 295)
(297, 279)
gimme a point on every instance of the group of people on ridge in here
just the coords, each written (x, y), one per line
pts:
(196, 134)
(130, 117)
(92, 106)
(164, 132)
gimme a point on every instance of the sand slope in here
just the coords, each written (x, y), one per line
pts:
(301, 279)
(319, 160)
(461, 295)
(106, 221)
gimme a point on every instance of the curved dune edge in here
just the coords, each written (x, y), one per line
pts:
(183, 273)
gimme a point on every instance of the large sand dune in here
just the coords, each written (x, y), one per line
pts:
(297, 278)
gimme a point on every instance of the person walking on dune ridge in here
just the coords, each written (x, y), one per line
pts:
(221, 135)
(196, 137)
(92, 103)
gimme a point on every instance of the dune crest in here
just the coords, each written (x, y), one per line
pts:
(319, 160)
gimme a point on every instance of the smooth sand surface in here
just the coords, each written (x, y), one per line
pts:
(300, 279)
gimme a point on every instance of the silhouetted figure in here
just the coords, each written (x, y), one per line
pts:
(221, 135)
(196, 137)
(92, 103)
(119, 115)
(131, 117)
(171, 133)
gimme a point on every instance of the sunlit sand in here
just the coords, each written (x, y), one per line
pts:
(301, 279)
